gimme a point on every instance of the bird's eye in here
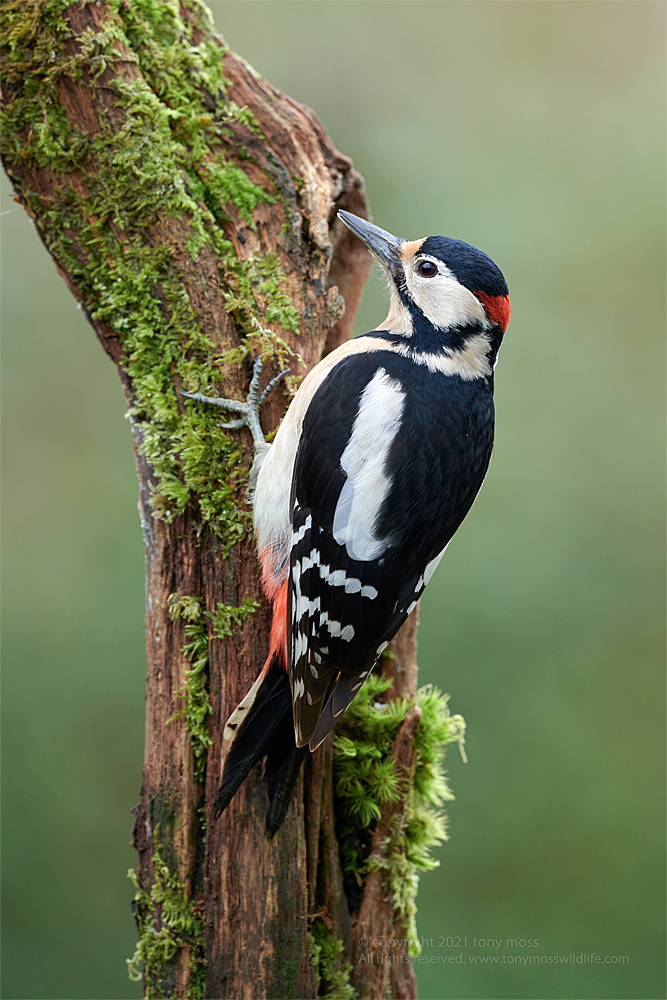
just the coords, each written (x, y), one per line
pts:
(426, 268)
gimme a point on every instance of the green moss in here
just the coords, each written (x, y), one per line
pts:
(188, 608)
(164, 159)
(167, 921)
(333, 974)
(197, 704)
(263, 276)
(228, 183)
(365, 779)
(226, 618)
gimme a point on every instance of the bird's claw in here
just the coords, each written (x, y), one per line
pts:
(235, 425)
(249, 409)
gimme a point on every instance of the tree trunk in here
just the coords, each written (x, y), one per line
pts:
(191, 209)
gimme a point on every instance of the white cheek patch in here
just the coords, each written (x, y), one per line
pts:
(443, 300)
(364, 461)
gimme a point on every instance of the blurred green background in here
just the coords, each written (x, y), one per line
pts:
(537, 132)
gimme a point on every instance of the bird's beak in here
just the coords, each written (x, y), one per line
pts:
(383, 245)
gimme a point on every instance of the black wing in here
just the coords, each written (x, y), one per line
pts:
(349, 594)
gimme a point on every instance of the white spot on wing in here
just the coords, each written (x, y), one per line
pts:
(336, 629)
(303, 605)
(433, 565)
(352, 585)
(309, 561)
(364, 461)
(306, 526)
(300, 646)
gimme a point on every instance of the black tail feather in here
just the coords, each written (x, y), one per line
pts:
(268, 731)
(282, 767)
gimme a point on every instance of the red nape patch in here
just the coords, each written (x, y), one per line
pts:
(279, 626)
(497, 308)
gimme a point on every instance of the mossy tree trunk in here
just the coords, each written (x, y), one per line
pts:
(191, 209)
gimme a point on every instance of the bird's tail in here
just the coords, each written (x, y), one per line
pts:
(261, 726)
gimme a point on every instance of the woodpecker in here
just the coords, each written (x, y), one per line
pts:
(374, 467)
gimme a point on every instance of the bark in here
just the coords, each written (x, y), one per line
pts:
(255, 897)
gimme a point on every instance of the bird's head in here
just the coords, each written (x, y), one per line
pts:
(445, 294)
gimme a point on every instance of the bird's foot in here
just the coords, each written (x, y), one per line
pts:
(249, 410)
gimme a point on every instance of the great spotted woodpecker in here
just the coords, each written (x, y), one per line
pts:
(376, 463)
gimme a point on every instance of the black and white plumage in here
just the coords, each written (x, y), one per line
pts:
(374, 467)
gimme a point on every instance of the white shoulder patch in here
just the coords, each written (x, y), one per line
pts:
(272, 514)
(364, 461)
